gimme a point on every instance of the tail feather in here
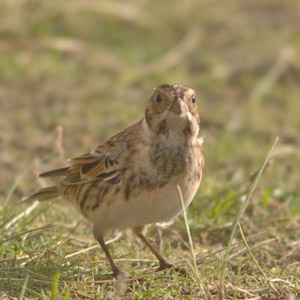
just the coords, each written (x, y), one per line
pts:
(45, 194)
(57, 172)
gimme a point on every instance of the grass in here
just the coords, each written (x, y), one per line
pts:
(75, 72)
(237, 224)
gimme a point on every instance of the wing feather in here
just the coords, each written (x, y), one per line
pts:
(106, 163)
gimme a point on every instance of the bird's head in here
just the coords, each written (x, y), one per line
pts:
(173, 110)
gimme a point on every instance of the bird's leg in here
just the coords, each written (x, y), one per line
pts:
(163, 264)
(116, 270)
(98, 236)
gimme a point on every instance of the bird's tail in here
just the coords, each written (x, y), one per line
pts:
(45, 194)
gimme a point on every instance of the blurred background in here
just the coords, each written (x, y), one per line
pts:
(91, 66)
(75, 72)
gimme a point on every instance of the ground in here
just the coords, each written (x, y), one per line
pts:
(75, 72)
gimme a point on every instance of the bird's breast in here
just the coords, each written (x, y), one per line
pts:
(168, 159)
(158, 166)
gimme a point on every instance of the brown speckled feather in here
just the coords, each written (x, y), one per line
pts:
(106, 162)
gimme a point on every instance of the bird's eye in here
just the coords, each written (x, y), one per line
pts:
(194, 99)
(158, 98)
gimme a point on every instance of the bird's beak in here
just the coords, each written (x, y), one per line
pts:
(178, 107)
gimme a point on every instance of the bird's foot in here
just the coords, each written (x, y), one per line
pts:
(163, 266)
(181, 271)
(120, 275)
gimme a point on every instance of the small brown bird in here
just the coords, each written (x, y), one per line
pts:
(131, 179)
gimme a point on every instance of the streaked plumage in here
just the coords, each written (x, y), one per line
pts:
(131, 179)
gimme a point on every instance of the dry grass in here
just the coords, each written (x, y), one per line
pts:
(75, 72)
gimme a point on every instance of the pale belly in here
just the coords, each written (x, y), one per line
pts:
(149, 206)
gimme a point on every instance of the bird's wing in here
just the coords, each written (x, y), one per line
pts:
(106, 162)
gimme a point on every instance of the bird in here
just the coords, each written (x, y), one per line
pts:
(131, 179)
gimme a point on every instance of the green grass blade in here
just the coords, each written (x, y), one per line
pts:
(22, 293)
(188, 232)
(67, 294)
(43, 296)
(54, 287)
(18, 179)
(27, 231)
(240, 215)
(11, 190)
(251, 253)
